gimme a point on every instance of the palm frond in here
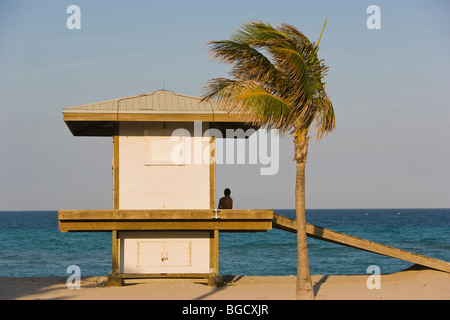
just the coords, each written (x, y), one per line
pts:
(248, 62)
(277, 78)
(293, 32)
(324, 119)
(251, 101)
(257, 33)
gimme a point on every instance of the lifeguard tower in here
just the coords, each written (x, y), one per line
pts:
(163, 221)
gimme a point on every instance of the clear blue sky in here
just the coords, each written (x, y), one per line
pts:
(390, 89)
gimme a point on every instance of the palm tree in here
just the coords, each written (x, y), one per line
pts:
(277, 82)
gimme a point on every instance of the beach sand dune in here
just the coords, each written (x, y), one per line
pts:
(416, 284)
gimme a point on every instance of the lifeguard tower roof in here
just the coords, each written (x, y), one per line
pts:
(97, 119)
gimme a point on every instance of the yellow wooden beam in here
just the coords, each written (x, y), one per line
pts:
(116, 169)
(166, 214)
(182, 117)
(320, 233)
(224, 225)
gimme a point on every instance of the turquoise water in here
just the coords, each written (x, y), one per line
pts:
(33, 246)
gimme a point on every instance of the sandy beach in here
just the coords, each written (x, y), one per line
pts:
(425, 284)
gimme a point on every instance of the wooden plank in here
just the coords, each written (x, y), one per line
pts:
(116, 168)
(122, 116)
(115, 252)
(214, 252)
(316, 232)
(212, 174)
(162, 275)
(165, 214)
(89, 116)
(241, 225)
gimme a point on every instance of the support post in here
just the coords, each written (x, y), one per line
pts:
(212, 173)
(114, 278)
(214, 279)
(116, 168)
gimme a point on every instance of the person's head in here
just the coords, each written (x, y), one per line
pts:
(227, 192)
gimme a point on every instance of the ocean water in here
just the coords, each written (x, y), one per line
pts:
(31, 244)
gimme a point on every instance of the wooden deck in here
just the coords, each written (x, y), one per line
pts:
(166, 219)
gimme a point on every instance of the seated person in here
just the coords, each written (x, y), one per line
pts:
(226, 202)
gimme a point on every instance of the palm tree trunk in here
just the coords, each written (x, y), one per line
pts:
(304, 288)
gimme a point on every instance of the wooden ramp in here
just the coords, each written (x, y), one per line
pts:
(320, 233)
